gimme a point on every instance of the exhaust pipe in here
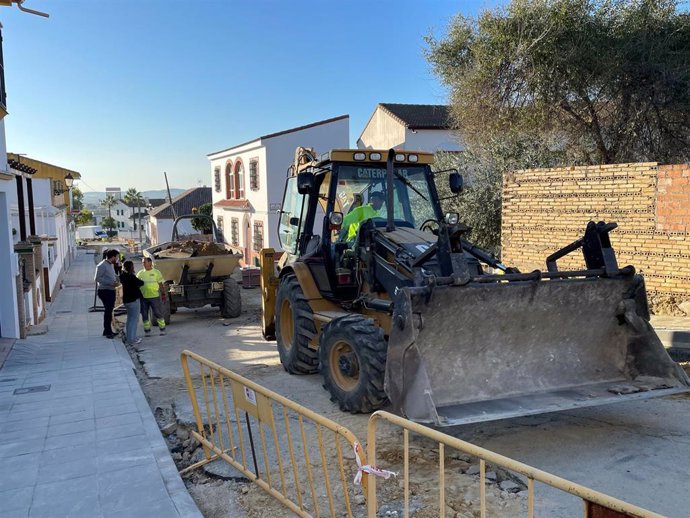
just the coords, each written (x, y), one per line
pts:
(390, 226)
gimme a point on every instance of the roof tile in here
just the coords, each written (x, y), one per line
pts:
(184, 203)
(420, 116)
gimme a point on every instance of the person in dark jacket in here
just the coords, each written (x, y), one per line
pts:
(107, 281)
(130, 298)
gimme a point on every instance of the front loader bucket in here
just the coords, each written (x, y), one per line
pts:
(487, 351)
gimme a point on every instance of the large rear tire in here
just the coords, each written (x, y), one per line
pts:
(294, 328)
(353, 352)
(232, 300)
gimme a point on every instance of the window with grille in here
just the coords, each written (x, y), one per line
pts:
(239, 181)
(229, 182)
(254, 175)
(235, 231)
(216, 178)
(258, 236)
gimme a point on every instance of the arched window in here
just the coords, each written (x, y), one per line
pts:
(239, 180)
(229, 182)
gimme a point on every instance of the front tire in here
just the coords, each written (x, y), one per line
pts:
(352, 353)
(231, 306)
(294, 328)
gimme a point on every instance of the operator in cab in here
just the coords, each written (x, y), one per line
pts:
(354, 218)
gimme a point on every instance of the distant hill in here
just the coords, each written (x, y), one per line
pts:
(95, 198)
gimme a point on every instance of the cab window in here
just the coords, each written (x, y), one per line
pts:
(290, 217)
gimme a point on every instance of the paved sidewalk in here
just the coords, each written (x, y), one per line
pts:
(674, 333)
(77, 437)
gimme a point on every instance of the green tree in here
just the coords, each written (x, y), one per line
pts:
(134, 198)
(85, 217)
(203, 224)
(77, 199)
(482, 168)
(109, 202)
(110, 224)
(600, 81)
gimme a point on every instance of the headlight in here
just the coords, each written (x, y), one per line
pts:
(399, 157)
(360, 156)
(452, 218)
(375, 156)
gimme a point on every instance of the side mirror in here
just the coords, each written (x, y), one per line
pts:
(455, 182)
(305, 182)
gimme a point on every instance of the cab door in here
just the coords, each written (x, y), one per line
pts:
(290, 220)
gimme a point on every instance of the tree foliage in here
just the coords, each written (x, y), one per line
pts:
(203, 224)
(109, 202)
(109, 223)
(134, 198)
(77, 199)
(85, 217)
(482, 167)
(603, 81)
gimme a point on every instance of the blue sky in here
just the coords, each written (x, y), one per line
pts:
(124, 90)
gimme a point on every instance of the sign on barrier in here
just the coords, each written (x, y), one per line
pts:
(304, 460)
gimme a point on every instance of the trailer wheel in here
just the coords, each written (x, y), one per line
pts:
(231, 307)
(353, 352)
(294, 328)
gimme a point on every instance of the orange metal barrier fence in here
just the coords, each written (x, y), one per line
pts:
(596, 505)
(308, 462)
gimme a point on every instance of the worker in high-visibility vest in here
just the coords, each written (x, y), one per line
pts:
(354, 219)
(152, 296)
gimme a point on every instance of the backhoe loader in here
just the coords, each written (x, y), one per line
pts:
(382, 293)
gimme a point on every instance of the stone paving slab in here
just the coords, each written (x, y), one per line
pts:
(78, 436)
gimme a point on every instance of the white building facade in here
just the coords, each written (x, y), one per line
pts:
(417, 127)
(9, 314)
(53, 229)
(248, 180)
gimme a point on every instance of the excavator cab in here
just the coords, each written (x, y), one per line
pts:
(385, 297)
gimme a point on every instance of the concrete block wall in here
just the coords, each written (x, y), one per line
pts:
(546, 209)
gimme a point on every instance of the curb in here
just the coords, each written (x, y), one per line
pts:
(180, 497)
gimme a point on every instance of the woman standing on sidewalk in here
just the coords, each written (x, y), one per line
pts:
(130, 298)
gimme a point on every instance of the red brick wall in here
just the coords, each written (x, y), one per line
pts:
(673, 198)
(546, 209)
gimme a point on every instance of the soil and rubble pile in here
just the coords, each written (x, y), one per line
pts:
(192, 248)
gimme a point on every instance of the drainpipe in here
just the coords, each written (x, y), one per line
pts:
(22, 211)
(32, 218)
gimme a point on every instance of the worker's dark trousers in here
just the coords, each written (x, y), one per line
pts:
(108, 299)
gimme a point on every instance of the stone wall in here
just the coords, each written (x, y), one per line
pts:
(546, 209)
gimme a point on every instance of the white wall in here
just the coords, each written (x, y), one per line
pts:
(382, 132)
(431, 140)
(163, 230)
(275, 155)
(257, 199)
(281, 153)
(9, 316)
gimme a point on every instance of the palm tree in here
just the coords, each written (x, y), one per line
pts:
(134, 198)
(109, 202)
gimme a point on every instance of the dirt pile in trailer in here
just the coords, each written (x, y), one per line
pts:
(192, 248)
